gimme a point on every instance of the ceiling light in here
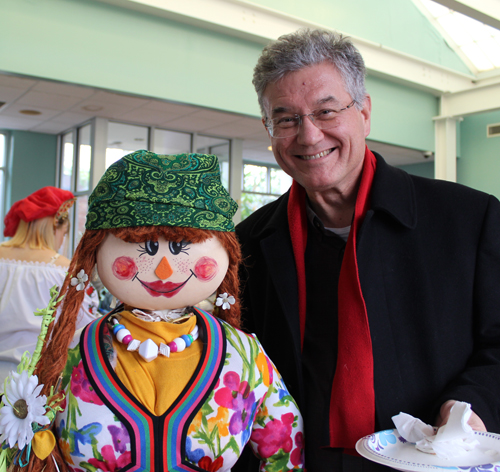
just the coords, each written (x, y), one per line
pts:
(269, 148)
(30, 112)
(92, 108)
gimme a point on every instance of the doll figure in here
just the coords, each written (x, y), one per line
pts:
(158, 384)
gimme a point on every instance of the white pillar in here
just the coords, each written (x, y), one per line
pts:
(445, 159)
(99, 145)
(236, 169)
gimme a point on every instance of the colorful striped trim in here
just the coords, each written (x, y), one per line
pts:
(170, 429)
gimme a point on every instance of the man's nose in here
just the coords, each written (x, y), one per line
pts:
(164, 269)
(309, 134)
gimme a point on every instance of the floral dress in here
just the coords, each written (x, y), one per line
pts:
(235, 396)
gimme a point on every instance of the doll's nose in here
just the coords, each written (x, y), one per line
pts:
(164, 270)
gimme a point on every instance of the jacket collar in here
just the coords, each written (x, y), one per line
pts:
(393, 193)
(275, 220)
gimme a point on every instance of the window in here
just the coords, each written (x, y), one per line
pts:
(75, 176)
(220, 147)
(3, 173)
(67, 158)
(262, 184)
(124, 139)
(77, 169)
(171, 142)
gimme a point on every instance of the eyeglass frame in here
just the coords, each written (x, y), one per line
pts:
(268, 123)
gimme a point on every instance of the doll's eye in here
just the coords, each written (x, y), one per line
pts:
(150, 247)
(178, 247)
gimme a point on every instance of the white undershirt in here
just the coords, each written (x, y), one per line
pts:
(342, 232)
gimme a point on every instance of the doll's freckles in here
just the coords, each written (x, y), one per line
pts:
(182, 266)
(124, 268)
(146, 263)
(206, 269)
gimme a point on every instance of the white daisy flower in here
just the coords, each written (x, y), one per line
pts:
(225, 300)
(80, 280)
(23, 407)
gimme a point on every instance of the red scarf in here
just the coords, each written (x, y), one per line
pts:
(352, 405)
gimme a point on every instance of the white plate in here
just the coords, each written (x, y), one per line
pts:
(388, 448)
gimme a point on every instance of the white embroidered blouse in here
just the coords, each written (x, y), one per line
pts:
(24, 288)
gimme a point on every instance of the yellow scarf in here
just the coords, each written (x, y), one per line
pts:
(156, 384)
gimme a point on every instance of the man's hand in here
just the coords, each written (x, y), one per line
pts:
(444, 413)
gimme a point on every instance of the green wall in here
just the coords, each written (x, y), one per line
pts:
(32, 163)
(401, 115)
(95, 44)
(396, 24)
(92, 43)
(425, 169)
(479, 163)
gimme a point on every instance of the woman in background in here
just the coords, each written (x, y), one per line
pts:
(29, 266)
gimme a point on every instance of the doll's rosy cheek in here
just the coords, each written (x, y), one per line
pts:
(124, 268)
(206, 269)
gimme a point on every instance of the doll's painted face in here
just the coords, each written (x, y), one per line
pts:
(161, 275)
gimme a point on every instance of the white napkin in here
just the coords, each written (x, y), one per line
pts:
(454, 439)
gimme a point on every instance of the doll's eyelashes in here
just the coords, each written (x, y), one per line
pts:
(150, 247)
(178, 247)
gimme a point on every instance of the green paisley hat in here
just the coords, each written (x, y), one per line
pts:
(148, 189)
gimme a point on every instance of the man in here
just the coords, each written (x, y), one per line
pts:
(374, 292)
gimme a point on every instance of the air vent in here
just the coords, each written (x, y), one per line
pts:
(493, 130)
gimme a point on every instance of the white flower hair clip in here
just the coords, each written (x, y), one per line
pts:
(80, 280)
(225, 300)
(25, 407)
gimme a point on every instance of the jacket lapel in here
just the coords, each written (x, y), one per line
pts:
(277, 250)
(392, 195)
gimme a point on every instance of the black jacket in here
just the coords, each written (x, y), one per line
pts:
(429, 265)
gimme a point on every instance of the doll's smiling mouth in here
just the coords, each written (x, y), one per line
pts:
(163, 289)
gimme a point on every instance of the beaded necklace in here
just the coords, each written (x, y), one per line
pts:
(148, 349)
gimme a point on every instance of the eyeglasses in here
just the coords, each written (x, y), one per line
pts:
(287, 126)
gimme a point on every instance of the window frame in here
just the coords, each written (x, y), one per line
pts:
(266, 195)
(75, 131)
(4, 178)
(269, 168)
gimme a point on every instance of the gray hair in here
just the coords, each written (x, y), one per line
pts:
(305, 47)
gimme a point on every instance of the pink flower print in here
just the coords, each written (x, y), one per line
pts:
(237, 396)
(81, 388)
(297, 455)
(274, 436)
(110, 463)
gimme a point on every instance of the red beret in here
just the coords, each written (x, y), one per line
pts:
(44, 202)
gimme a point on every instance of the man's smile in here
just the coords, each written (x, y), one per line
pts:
(316, 156)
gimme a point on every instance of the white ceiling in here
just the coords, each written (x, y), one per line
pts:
(471, 29)
(62, 106)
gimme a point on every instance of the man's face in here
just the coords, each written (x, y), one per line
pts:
(320, 160)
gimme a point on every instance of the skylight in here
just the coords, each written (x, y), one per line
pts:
(477, 43)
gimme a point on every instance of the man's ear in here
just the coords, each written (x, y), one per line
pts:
(366, 113)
